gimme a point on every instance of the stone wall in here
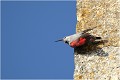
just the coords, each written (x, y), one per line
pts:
(105, 16)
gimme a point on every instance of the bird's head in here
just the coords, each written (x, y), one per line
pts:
(65, 40)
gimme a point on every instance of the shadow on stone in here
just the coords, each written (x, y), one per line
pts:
(91, 49)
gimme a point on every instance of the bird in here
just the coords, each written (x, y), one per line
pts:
(80, 39)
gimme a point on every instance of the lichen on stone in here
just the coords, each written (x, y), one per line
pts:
(105, 16)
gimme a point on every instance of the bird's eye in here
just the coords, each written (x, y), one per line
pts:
(64, 37)
(66, 42)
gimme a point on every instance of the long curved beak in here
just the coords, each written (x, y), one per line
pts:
(59, 40)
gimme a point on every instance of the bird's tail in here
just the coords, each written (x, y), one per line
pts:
(98, 38)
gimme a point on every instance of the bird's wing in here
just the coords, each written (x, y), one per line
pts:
(84, 35)
(88, 30)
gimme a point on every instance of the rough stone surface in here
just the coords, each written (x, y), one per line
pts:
(95, 64)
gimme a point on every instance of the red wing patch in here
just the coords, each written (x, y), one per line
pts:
(77, 43)
(73, 44)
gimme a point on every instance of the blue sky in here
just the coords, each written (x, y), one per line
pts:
(29, 29)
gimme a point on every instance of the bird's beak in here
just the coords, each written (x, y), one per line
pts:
(59, 40)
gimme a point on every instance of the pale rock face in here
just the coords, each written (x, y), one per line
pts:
(93, 64)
